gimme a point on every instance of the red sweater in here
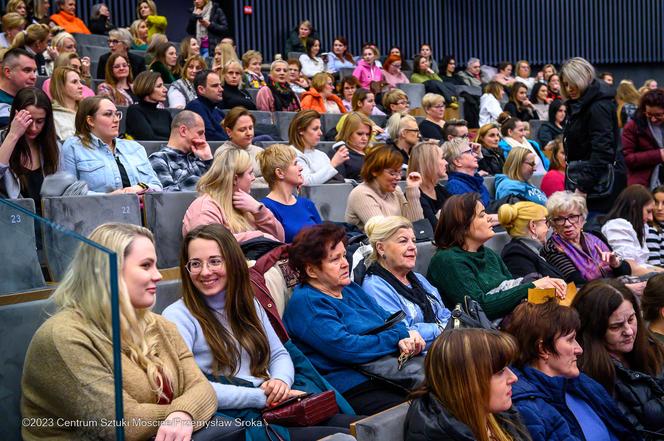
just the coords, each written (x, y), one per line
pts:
(641, 152)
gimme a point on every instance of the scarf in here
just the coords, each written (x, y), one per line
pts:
(285, 99)
(587, 259)
(415, 293)
(201, 31)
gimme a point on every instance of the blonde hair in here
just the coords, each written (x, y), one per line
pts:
(133, 29)
(516, 217)
(12, 20)
(380, 228)
(228, 54)
(219, 181)
(396, 123)
(226, 67)
(85, 289)
(275, 156)
(12, 5)
(319, 81)
(58, 40)
(627, 93)
(352, 122)
(566, 201)
(248, 56)
(515, 158)
(432, 99)
(423, 159)
(59, 82)
(33, 34)
(577, 72)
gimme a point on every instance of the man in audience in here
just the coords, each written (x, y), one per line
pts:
(19, 70)
(209, 91)
(471, 76)
(187, 156)
(607, 77)
(455, 128)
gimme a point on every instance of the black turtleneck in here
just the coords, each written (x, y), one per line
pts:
(234, 97)
(148, 123)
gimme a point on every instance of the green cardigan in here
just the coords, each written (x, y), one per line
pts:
(421, 78)
(161, 69)
(456, 273)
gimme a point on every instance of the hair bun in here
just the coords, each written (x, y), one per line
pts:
(507, 215)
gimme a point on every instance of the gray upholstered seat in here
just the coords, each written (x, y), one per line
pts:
(338, 437)
(18, 324)
(152, 146)
(425, 252)
(262, 117)
(497, 242)
(283, 120)
(536, 180)
(490, 184)
(100, 41)
(325, 146)
(330, 199)
(329, 121)
(384, 426)
(381, 120)
(415, 92)
(82, 214)
(535, 125)
(20, 269)
(168, 292)
(163, 216)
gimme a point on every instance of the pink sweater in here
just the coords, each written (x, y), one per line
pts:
(205, 210)
(365, 74)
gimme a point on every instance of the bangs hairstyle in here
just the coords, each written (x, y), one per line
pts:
(576, 72)
(381, 228)
(312, 245)
(250, 55)
(566, 201)
(275, 156)
(85, 289)
(595, 303)
(392, 97)
(352, 123)
(458, 369)
(379, 157)
(423, 158)
(246, 329)
(453, 149)
(515, 159)
(32, 96)
(87, 108)
(482, 132)
(629, 206)
(319, 81)
(456, 216)
(299, 124)
(537, 327)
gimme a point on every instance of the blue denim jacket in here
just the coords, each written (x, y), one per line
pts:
(96, 164)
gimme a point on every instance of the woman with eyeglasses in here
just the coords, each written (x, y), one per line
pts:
(518, 169)
(380, 193)
(392, 72)
(119, 42)
(426, 158)
(462, 165)
(432, 126)
(66, 93)
(182, 91)
(97, 156)
(395, 101)
(346, 89)
(578, 255)
(404, 133)
(643, 140)
(117, 85)
(526, 223)
(147, 119)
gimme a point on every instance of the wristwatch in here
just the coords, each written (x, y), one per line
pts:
(143, 185)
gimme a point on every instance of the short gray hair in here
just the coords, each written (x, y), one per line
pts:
(123, 35)
(578, 72)
(566, 201)
(453, 149)
(472, 60)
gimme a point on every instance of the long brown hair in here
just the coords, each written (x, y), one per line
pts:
(458, 370)
(595, 303)
(112, 81)
(246, 330)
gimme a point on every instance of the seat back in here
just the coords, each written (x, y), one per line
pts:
(330, 199)
(173, 111)
(425, 252)
(262, 117)
(535, 125)
(152, 146)
(283, 120)
(163, 216)
(490, 184)
(330, 121)
(91, 40)
(253, 93)
(82, 214)
(168, 292)
(325, 146)
(415, 92)
(345, 72)
(18, 323)
(387, 425)
(536, 180)
(381, 120)
(20, 269)
(123, 120)
(94, 52)
(497, 242)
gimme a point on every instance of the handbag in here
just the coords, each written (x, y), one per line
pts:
(303, 410)
(602, 188)
(423, 230)
(469, 314)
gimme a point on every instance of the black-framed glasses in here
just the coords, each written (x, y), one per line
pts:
(195, 266)
(532, 164)
(573, 219)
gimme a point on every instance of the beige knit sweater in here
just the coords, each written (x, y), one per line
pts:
(68, 380)
(366, 201)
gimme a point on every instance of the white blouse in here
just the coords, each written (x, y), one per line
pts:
(622, 238)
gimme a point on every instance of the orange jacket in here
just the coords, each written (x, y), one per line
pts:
(71, 23)
(313, 100)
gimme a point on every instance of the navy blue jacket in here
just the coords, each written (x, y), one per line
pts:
(460, 183)
(212, 117)
(540, 400)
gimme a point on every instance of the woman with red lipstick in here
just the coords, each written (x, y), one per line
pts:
(467, 394)
(380, 193)
(391, 281)
(29, 150)
(556, 400)
(621, 354)
(578, 255)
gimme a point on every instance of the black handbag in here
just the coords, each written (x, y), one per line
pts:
(602, 188)
(423, 230)
(469, 314)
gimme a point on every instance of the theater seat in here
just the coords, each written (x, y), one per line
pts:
(18, 323)
(325, 146)
(535, 125)
(415, 93)
(387, 425)
(536, 180)
(497, 242)
(168, 292)
(262, 117)
(283, 120)
(152, 146)
(20, 269)
(381, 120)
(253, 93)
(425, 252)
(82, 214)
(92, 40)
(346, 72)
(490, 184)
(163, 216)
(330, 199)
(330, 121)
(338, 437)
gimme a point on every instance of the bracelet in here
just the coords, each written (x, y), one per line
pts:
(143, 185)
